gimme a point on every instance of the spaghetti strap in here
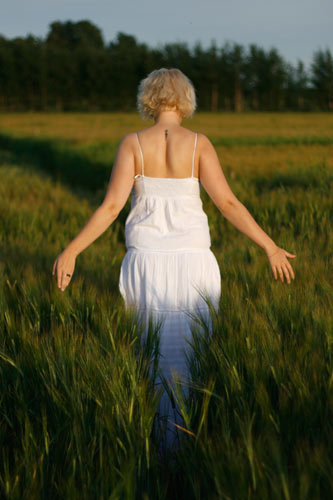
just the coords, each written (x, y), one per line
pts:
(195, 145)
(143, 170)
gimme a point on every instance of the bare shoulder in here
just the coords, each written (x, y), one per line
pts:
(128, 141)
(204, 143)
(206, 151)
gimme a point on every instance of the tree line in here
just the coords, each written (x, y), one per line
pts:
(74, 69)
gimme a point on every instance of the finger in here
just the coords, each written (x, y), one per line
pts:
(59, 277)
(291, 270)
(291, 255)
(281, 274)
(274, 272)
(65, 281)
(286, 273)
(54, 267)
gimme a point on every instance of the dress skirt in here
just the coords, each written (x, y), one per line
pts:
(171, 288)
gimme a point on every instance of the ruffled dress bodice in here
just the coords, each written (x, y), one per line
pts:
(166, 214)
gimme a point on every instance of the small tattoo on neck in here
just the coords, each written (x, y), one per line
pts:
(166, 133)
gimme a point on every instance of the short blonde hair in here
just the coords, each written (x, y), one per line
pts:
(166, 89)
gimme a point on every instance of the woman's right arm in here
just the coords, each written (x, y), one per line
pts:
(215, 184)
(118, 191)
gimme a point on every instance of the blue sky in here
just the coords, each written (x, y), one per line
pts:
(295, 27)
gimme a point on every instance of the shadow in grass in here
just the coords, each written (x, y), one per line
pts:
(58, 159)
(85, 178)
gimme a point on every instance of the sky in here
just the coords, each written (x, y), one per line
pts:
(295, 27)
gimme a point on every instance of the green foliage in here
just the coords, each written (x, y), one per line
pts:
(73, 69)
(70, 35)
(322, 77)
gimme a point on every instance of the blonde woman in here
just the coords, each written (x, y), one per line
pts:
(169, 268)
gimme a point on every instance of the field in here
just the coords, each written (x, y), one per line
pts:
(77, 404)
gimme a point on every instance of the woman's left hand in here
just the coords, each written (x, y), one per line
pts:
(64, 267)
(280, 264)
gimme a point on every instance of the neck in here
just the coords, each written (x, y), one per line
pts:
(168, 118)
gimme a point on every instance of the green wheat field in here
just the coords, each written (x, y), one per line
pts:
(77, 404)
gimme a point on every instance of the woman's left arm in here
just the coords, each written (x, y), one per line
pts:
(118, 191)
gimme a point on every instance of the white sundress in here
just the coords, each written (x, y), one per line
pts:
(168, 269)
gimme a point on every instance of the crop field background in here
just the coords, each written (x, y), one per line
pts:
(77, 404)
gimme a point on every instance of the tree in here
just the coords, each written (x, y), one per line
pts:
(276, 79)
(322, 77)
(71, 35)
(7, 74)
(72, 69)
(128, 67)
(232, 67)
(26, 53)
(266, 76)
(297, 87)
(255, 68)
(213, 75)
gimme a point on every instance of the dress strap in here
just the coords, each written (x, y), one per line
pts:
(143, 170)
(195, 145)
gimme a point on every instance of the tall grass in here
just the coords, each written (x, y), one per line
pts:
(78, 405)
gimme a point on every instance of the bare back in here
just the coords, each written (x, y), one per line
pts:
(166, 154)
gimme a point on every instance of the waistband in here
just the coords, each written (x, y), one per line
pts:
(173, 250)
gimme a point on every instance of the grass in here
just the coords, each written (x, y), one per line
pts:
(77, 402)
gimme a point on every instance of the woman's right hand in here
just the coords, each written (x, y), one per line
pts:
(63, 267)
(280, 264)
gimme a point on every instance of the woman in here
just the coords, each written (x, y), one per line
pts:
(169, 270)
